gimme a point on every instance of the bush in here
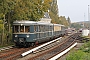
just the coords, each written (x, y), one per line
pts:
(82, 54)
(79, 55)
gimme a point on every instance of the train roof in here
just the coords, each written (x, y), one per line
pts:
(43, 23)
(25, 22)
(30, 23)
(58, 25)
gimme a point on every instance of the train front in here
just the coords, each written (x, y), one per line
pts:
(21, 32)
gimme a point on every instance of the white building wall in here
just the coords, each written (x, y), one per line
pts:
(46, 20)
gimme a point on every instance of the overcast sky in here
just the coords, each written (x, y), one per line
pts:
(77, 10)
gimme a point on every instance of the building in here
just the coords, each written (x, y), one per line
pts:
(46, 18)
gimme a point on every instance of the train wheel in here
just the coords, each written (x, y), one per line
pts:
(29, 44)
(36, 43)
(26, 45)
(17, 45)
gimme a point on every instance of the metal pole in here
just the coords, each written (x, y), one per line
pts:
(84, 21)
(88, 15)
(88, 12)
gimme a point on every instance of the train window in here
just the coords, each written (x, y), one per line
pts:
(16, 29)
(27, 29)
(42, 28)
(46, 28)
(50, 28)
(39, 28)
(21, 28)
(35, 28)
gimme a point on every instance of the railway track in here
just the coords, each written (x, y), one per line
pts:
(51, 50)
(12, 54)
(56, 50)
(42, 53)
(6, 55)
(6, 48)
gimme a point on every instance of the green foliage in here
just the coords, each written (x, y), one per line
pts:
(76, 25)
(1, 15)
(13, 10)
(24, 9)
(54, 14)
(54, 18)
(86, 47)
(30, 9)
(54, 11)
(79, 55)
(1, 25)
(69, 21)
(82, 54)
(33, 10)
(63, 20)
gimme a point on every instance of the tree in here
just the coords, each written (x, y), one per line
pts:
(1, 26)
(54, 14)
(11, 10)
(63, 21)
(76, 25)
(30, 9)
(69, 21)
(78, 55)
(54, 11)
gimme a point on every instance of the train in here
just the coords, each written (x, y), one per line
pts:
(30, 33)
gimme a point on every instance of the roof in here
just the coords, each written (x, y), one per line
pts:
(24, 21)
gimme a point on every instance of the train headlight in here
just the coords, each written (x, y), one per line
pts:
(27, 36)
(15, 41)
(16, 35)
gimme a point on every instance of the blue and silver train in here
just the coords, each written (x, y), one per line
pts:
(29, 33)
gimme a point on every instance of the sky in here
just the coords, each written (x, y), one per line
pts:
(77, 10)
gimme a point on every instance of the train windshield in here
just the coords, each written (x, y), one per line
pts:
(21, 29)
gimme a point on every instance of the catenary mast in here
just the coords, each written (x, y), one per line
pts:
(88, 14)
